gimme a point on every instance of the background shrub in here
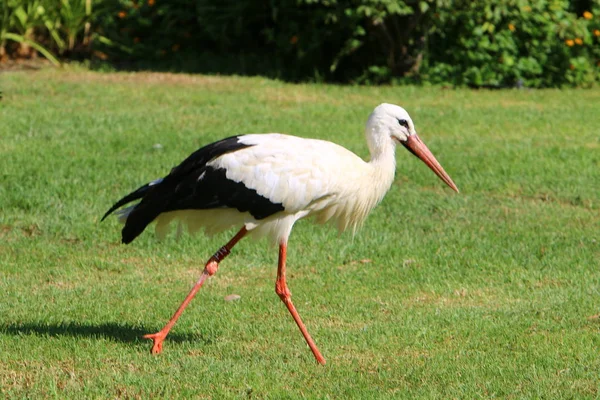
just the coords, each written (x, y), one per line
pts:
(59, 27)
(484, 43)
(509, 42)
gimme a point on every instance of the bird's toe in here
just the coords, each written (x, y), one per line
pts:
(157, 339)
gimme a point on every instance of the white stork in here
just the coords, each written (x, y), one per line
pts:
(263, 183)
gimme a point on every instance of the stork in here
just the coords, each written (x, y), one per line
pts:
(262, 184)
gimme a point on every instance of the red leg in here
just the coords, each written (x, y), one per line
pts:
(285, 295)
(210, 269)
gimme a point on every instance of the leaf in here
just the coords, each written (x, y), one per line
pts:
(107, 41)
(54, 32)
(22, 16)
(38, 47)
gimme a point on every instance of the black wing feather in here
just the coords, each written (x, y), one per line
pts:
(194, 185)
(137, 194)
(209, 187)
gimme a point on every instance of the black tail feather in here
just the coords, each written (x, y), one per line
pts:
(138, 220)
(137, 194)
(186, 187)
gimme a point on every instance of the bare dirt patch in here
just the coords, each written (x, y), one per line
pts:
(24, 64)
(151, 78)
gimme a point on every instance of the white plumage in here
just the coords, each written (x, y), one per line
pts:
(263, 183)
(292, 171)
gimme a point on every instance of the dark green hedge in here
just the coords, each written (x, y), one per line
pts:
(501, 43)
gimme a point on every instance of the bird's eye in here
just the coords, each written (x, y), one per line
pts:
(403, 123)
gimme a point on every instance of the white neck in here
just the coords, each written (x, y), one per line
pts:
(381, 146)
(383, 162)
(369, 187)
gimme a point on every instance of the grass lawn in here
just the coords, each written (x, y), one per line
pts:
(493, 292)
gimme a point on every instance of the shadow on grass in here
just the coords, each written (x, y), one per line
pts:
(113, 331)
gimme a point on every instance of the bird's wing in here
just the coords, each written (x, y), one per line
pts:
(193, 185)
(289, 170)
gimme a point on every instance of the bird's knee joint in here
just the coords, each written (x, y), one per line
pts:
(211, 267)
(282, 291)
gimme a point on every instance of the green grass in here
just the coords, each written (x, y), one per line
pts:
(494, 292)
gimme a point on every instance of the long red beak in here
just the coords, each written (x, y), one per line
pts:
(415, 145)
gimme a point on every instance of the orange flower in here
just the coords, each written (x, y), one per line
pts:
(511, 27)
(122, 14)
(100, 55)
(572, 67)
(569, 42)
(578, 41)
(136, 40)
(587, 15)
(597, 32)
(151, 2)
(175, 47)
(294, 39)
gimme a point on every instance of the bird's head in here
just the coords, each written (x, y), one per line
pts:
(389, 125)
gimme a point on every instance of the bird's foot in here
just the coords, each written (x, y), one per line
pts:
(158, 339)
